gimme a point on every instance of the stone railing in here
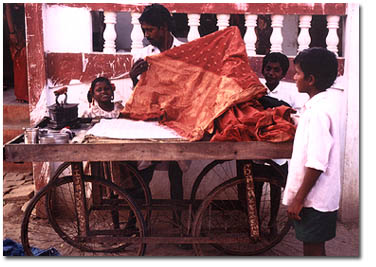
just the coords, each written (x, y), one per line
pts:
(277, 12)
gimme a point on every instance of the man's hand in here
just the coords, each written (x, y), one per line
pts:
(140, 66)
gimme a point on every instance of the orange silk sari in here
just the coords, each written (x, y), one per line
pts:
(190, 86)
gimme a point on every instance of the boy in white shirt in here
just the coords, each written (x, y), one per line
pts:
(274, 68)
(312, 191)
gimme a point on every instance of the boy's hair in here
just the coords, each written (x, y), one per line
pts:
(158, 16)
(90, 93)
(321, 63)
(279, 58)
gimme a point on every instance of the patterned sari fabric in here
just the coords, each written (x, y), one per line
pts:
(187, 87)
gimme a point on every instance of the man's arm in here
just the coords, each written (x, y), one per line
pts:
(309, 181)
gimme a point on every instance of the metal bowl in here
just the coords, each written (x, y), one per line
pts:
(54, 138)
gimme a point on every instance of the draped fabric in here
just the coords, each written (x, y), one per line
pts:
(187, 87)
(250, 122)
(20, 73)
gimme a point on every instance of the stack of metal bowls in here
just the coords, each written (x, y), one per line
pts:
(54, 138)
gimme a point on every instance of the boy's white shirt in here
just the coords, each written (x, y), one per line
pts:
(317, 146)
(289, 93)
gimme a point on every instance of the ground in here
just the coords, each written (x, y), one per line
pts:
(346, 242)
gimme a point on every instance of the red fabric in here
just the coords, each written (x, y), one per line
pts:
(188, 87)
(20, 73)
(250, 122)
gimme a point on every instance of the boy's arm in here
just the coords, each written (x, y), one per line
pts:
(309, 181)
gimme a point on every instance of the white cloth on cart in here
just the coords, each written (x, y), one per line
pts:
(130, 129)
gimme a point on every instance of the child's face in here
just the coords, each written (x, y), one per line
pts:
(273, 73)
(102, 92)
(302, 83)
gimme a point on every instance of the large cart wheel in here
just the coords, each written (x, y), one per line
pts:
(214, 174)
(223, 217)
(51, 221)
(122, 173)
(126, 176)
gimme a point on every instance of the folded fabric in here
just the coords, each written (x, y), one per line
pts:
(187, 87)
(250, 122)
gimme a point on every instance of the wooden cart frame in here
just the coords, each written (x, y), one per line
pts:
(155, 150)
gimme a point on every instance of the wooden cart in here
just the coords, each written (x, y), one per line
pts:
(80, 214)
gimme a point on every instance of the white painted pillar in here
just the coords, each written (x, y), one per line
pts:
(193, 23)
(223, 21)
(109, 34)
(250, 37)
(304, 38)
(137, 35)
(332, 39)
(276, 39)
(350, 206)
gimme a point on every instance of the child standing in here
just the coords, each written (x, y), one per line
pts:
(312, 191)
(274, 68)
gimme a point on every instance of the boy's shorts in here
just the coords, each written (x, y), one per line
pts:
(315, 226)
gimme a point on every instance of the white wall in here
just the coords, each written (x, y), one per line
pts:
(350, 208)
(67, 29)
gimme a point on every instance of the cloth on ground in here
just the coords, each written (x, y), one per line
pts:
(12, 248)
(187, 87)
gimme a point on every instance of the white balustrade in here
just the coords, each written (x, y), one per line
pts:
(250, 37)
(137, 35)
(332, 39)
(304, 38)
(193, 23)
(276, 39)
(223, 21)
(109, 34)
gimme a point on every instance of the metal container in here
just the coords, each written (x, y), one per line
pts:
(31, 135)
(54, 138)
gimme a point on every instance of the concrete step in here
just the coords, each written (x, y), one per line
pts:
(16, 113)
(15, 117)
(10, 131)
(17, 167)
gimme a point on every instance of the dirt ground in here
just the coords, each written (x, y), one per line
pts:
(345, 244)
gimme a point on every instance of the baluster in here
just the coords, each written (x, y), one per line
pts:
(250, 37)
(304, 38)
(137, 35)
(332, 39)
(276, 38)
(223, 21)
(109, 34)
(193, 23)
